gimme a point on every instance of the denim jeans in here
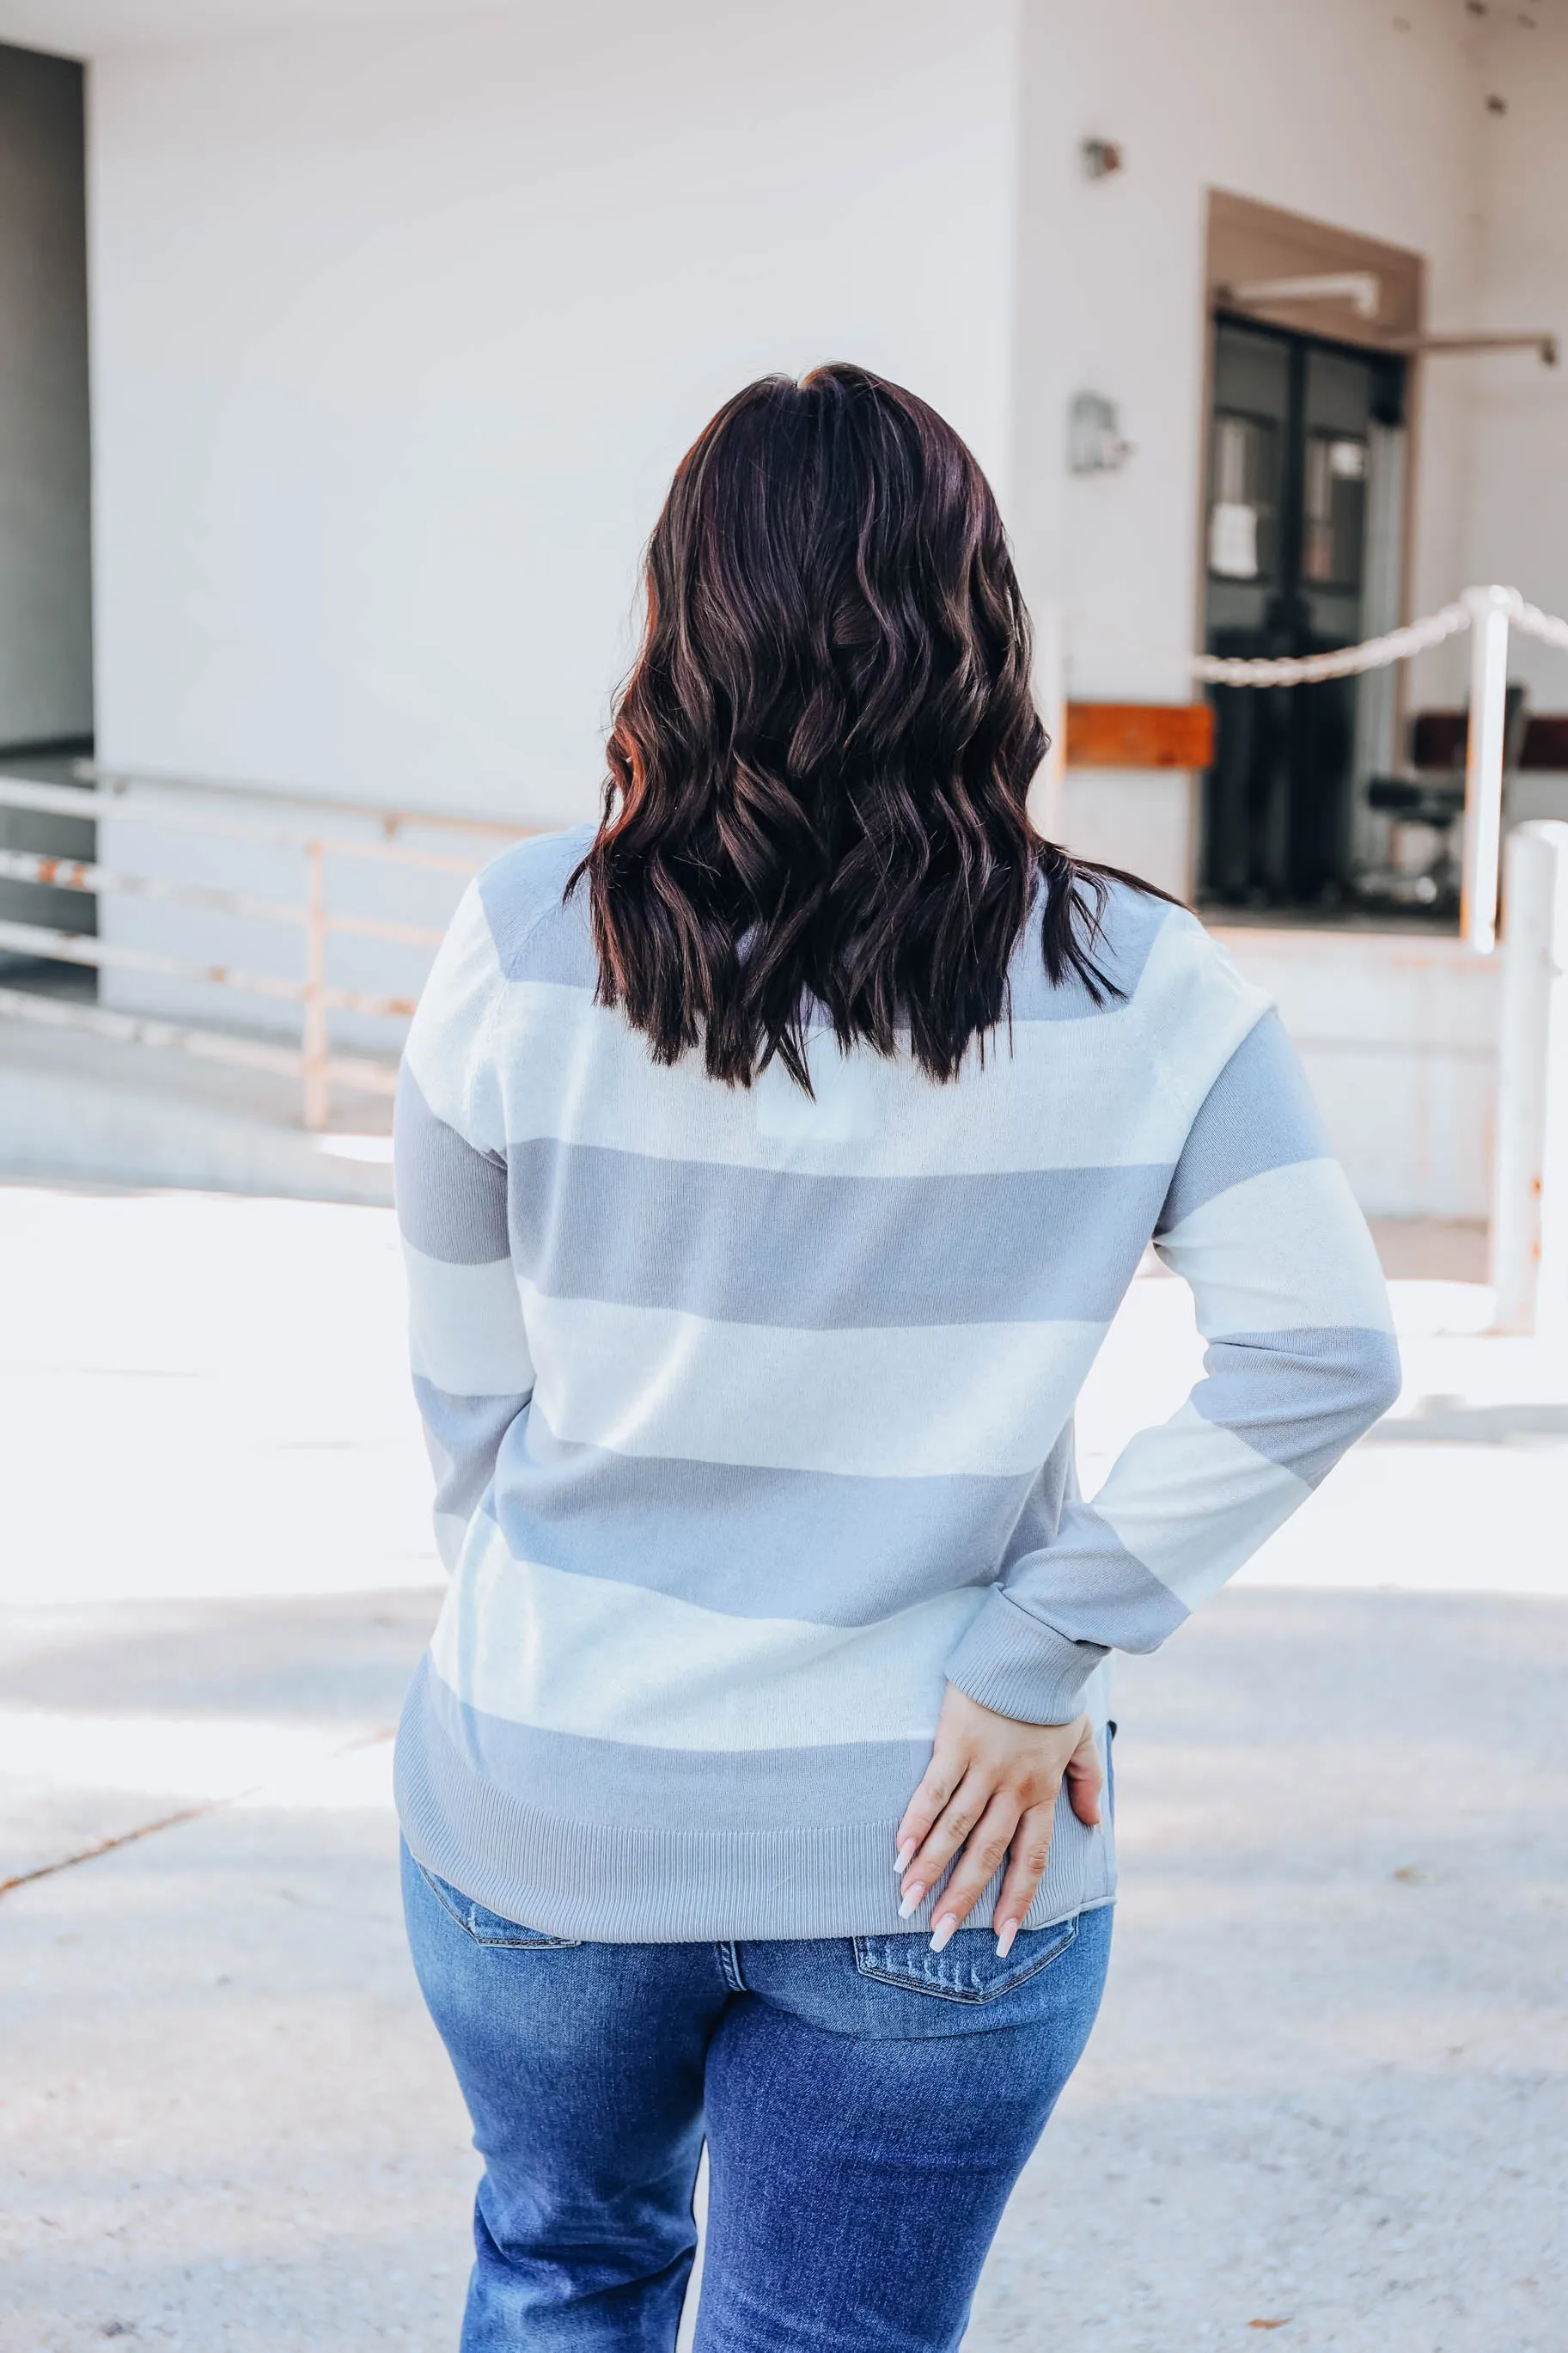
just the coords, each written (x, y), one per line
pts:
(867, 2105)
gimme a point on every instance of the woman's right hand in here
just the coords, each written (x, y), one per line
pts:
(991, 1785)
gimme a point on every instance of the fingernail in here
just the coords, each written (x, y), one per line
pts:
(941, 1935)
(913, 1898)
(906, 1856)
(1004, 1936)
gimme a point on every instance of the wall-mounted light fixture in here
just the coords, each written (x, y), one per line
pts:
(1095, 445)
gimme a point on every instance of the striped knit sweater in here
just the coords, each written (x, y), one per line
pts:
(751, 1414)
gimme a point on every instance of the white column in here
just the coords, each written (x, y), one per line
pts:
(1483, 764)
(1530, 1206)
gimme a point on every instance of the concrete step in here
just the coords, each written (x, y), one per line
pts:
(79, 1107)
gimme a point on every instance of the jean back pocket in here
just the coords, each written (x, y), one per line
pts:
(969, 1969)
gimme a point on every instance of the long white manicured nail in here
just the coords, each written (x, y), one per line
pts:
(906, 1856)
(1004, 1936)
(941, 1935)
(913, 1898)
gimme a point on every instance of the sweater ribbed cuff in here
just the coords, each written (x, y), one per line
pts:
(1015, 1665)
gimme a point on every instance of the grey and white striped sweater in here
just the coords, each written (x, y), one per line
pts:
(751, 1414)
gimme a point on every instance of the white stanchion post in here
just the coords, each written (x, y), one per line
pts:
(1530, 1206)
(1483, 765)
(1047, 797)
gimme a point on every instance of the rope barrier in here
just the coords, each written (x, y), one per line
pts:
(1345, 661)
(1530, 1192)
(1376, 653)
(1537, 624)
(1490, 612)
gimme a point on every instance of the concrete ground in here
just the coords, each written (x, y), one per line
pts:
(1327, 2100)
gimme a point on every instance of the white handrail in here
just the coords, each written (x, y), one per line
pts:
(393, 815)
(85, 947)
(66, 800)
(81, 874)
(157, 802)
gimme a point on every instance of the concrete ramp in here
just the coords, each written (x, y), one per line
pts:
(75, 1107)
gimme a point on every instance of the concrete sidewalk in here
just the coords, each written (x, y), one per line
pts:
(1330, 2089)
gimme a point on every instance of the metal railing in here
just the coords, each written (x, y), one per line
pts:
(157, 802)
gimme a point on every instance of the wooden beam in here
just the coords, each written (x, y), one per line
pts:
(1140, 734)
(1252, 240)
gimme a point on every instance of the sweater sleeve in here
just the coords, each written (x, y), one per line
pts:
(1300, 1359)
(472, 1371)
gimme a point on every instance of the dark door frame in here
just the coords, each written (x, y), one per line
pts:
(1244, 239)
(1294, 730)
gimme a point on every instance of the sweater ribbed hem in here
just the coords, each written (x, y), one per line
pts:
(1021, 1667)
(619, 1884)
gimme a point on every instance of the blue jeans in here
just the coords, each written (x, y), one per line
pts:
(867, 2105)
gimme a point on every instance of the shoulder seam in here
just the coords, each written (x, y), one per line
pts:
(553, 906)
(1186, 1113)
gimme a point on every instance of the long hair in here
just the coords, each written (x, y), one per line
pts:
(818, 766)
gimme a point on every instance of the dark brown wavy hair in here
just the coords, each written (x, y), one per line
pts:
(819, 764)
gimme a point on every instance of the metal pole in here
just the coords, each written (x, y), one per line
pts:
(1483, 765)
(313, 1040)
(1529, 1207)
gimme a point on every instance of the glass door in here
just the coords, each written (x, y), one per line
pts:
(1298, 429)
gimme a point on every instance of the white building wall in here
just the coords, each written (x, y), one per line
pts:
(399, 331)
(1398, 1035)
(400, 326)
(1327, 109)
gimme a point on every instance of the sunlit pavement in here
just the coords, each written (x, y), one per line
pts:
(1329, 2087)
(205, 1396)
